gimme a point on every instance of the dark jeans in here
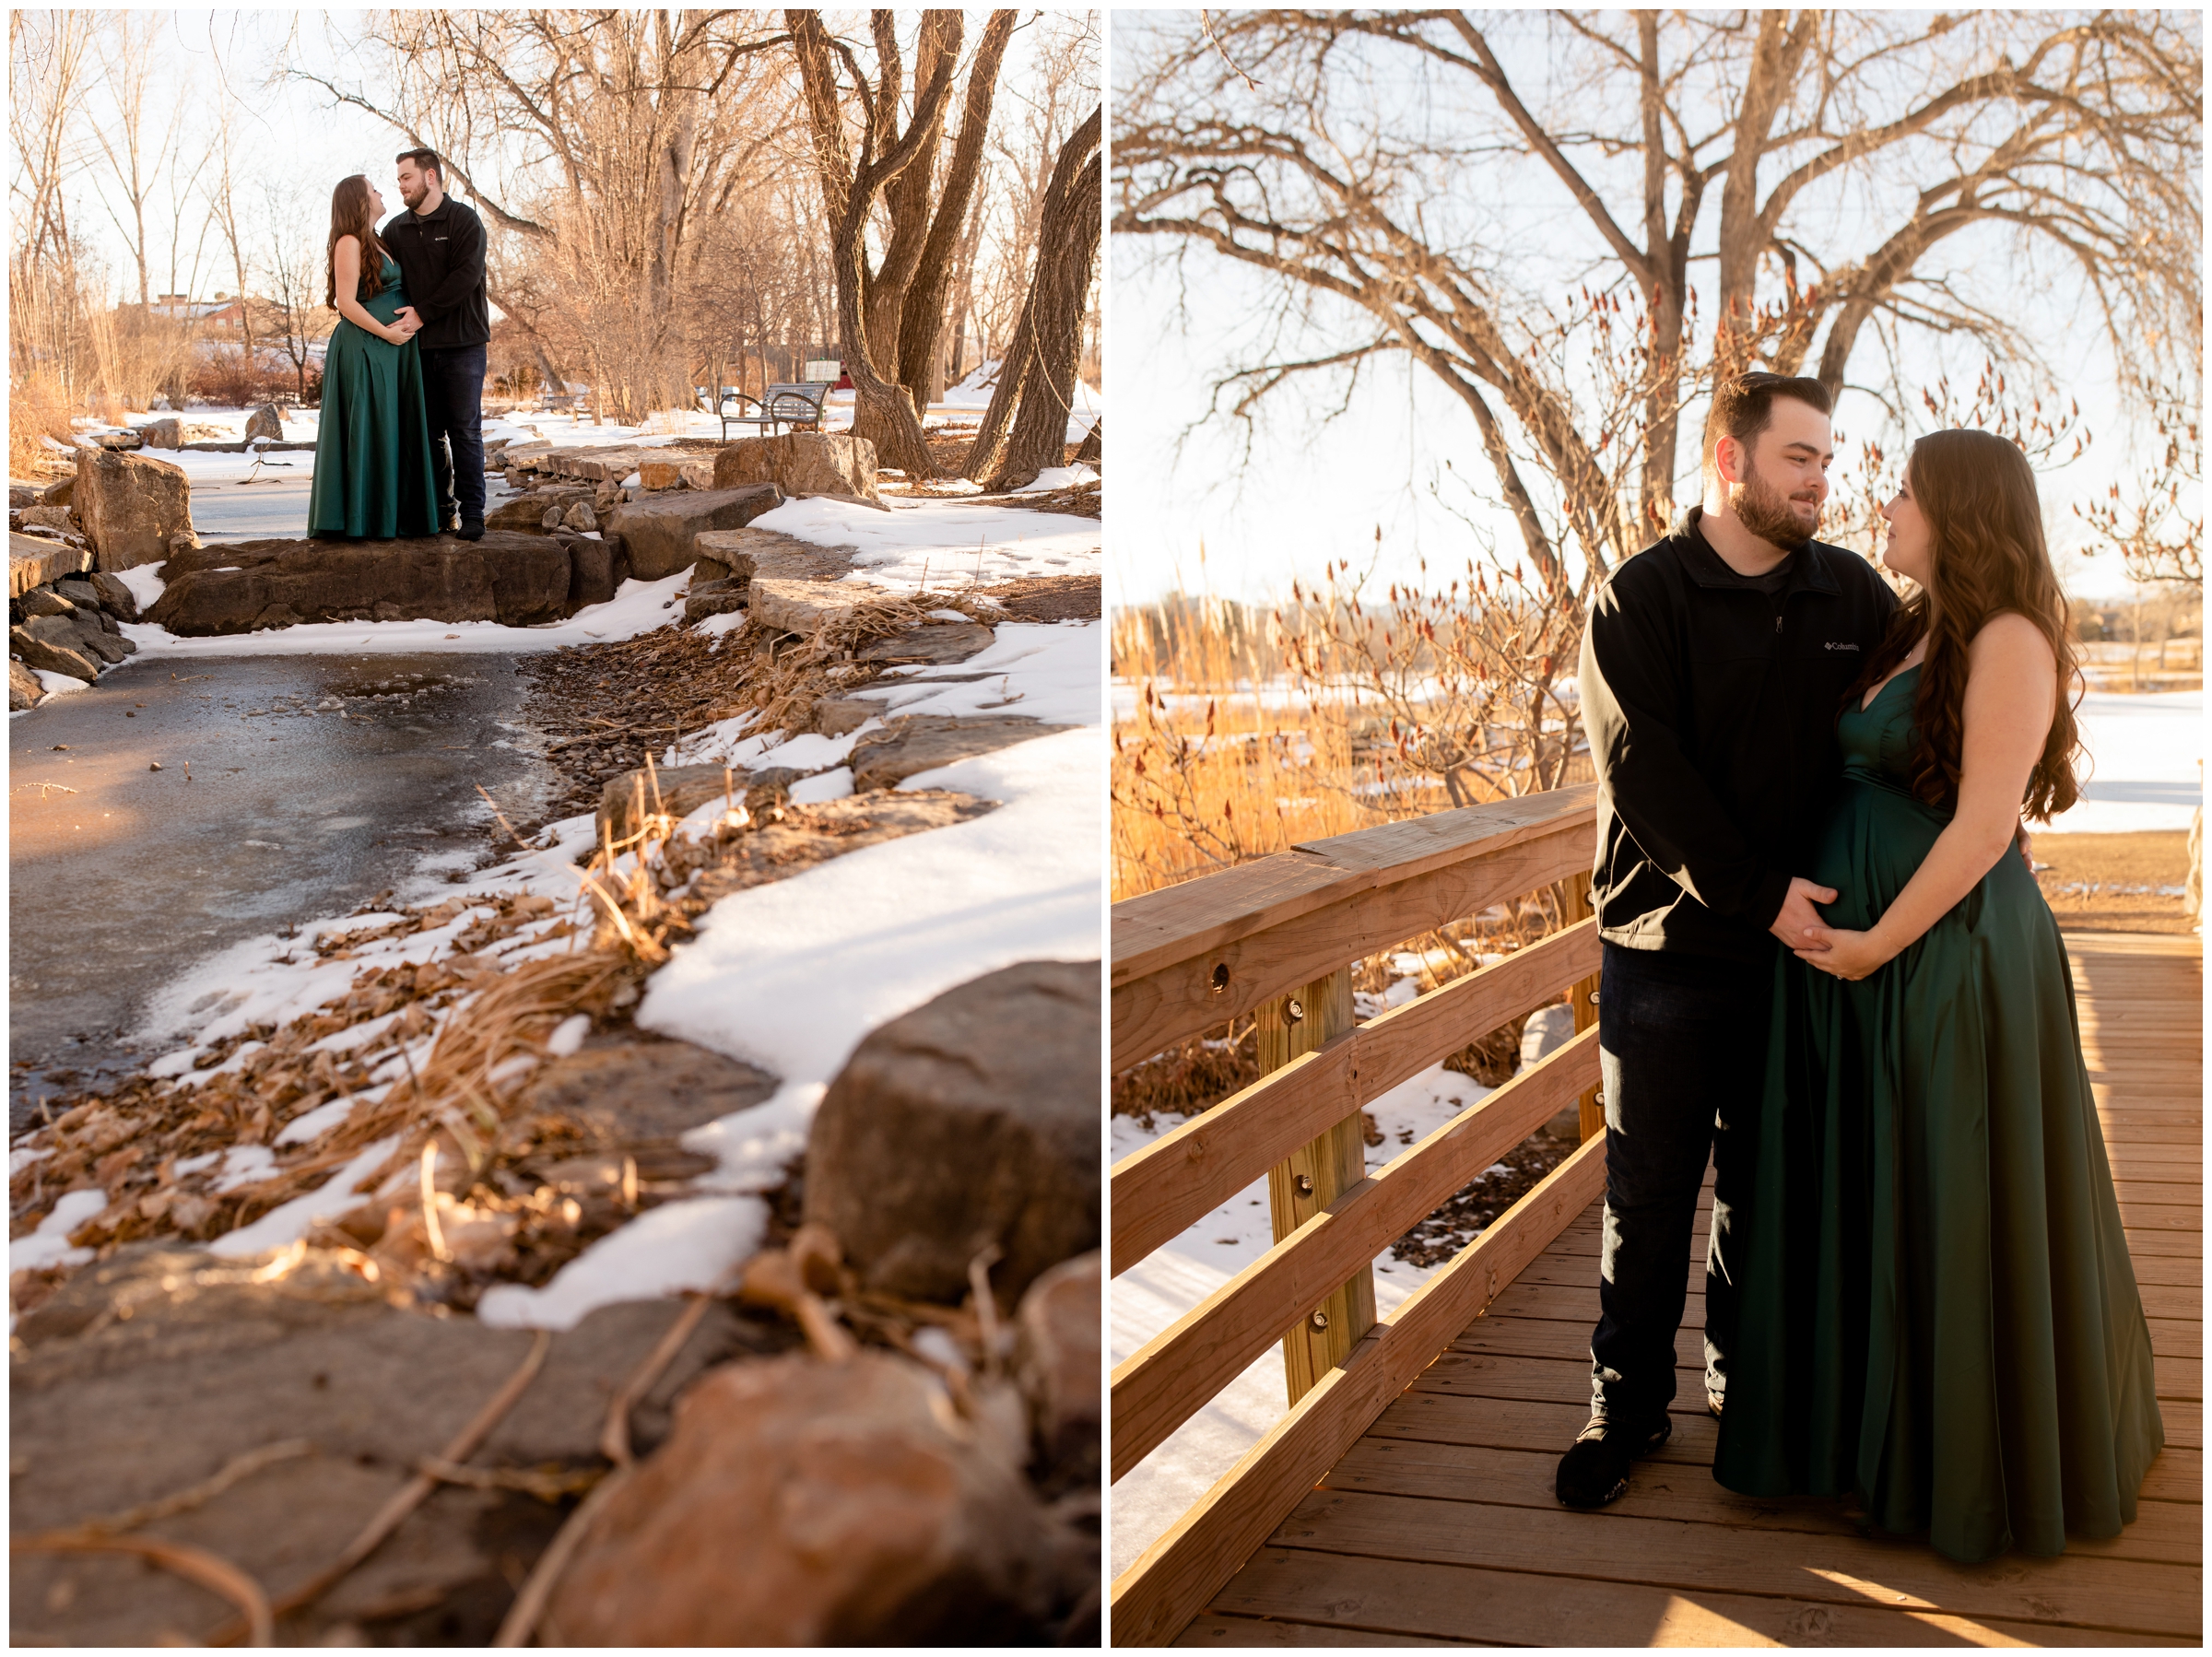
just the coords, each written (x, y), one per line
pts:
(452, 390)
(1682, 1055)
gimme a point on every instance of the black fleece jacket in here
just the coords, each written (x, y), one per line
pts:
(1712, 710)
(440, 259)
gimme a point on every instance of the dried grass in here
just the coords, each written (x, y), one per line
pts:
(821, 663)
(37, 409)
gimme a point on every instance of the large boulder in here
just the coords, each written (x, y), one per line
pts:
(802, 1503)
(659, 530)
(114, 595)
(514, 579)
(922, 741)
(802, 462)
(969, 1121)
(161, 434)
(592, 578)
(266, 422)
(131, 507)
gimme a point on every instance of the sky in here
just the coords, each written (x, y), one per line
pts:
(1191, 505)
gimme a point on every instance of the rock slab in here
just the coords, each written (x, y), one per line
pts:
(802, 462)
(938, 641)
(23, 687)
(922, 741)
(240, 587)
(131, 507)
(969, 1121)
(660, 530)
(804, 1503)
(747, 553)
(266, 422)
(809, 607)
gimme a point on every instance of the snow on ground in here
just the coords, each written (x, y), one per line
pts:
(975, 393)
(2145, 767)
(638, 607)
(1175, 1277)
(944, 544)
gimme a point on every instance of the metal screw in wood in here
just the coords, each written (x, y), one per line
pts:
(1320, 1319)
(1294, 1010)
(1305, 1185)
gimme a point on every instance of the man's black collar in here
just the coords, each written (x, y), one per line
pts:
(1707, 568)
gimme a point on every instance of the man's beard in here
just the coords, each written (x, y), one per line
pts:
(1765, 510)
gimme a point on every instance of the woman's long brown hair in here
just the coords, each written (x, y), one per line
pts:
(1986, 555)
(350, 214)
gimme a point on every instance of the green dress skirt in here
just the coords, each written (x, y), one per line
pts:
(372, 446)
(1938, 1311)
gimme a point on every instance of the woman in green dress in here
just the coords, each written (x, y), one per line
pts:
(1939, 1317)
(372, 476)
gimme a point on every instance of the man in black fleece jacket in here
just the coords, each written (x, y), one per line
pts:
(440, 246)
(1714, 666)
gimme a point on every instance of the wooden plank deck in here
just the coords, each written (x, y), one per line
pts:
(1439, 1525)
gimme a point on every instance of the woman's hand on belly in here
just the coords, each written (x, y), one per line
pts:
(1846, 955)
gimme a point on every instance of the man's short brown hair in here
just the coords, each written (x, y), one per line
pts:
(427, 160)
(1744, 407)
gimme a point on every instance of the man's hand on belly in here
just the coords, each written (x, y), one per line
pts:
(1798, 916)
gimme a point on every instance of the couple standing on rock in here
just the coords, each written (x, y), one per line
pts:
(400, 448)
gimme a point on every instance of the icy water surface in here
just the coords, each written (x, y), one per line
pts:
(270, 808)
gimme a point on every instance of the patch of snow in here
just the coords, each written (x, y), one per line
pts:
(947, 544)
(823, 786)
(691, 1244)
(1057, 477)
(58, 684)
(246, 1164)
(286, 1224)
(49, 1245)
(22, 1157)
(307, 1129)
(568, 1034)
(145, 583)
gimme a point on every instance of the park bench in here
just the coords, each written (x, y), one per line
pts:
(797, 406)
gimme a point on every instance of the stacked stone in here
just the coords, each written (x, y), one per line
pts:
(71, 625)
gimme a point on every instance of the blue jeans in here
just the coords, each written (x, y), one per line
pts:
(1682, 1056)
(453, 393)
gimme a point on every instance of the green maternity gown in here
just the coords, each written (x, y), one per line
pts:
(1939, 1314)
(372, 446)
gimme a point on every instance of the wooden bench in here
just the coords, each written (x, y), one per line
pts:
(797, 406)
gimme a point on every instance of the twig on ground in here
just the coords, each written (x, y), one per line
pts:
(393, 1513)
(520, 1621)
(193, 1496)
(211, 1571)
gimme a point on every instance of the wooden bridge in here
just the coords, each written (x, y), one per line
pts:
(1406, 1498)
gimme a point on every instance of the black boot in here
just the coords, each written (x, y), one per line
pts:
(1594, 1470)
(472, 529)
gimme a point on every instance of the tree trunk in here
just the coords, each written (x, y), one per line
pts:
(881, 407)
(1093, 452)
(921, 324)
(1039, 374)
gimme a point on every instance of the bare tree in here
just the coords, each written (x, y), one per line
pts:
(1262, 137)
(135, 152)
(851, 185)
(1037, 376)
(599, 147)
(2155, 520)
(920, 352)
(299, 319)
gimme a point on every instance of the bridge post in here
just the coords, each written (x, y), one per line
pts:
(1575, 907)
(1315, 1177)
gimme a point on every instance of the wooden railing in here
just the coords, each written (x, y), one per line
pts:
(1274, 938)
